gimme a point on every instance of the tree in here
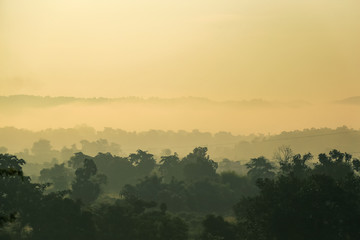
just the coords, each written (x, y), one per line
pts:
(260, 168)
(43, 151)
(143, 161)
(59, 176)
(296, 165)
(336, 164)
(170, 167)
(241, 186)
(100, 145)
(209, 196)
(198, 165)
(77, 161)
(314, 207)
(87, 184)
(18, 196)
(283, 154)
(119, 171)
(136, 219)
(57, 217)
(66, 153)
(10, 167)
(215, 227)
(152, 188)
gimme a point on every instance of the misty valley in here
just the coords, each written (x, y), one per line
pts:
(179, 120)
(97, 191)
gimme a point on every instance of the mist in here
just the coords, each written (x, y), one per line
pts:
(179, 120)
(245, 117)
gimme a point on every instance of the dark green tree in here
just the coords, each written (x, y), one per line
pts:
(152, 188)
(87, 184)
(209, 196)
(241, 186)
(57, 217)
(18, 196)
(260, 167)
(77, 161)
(198, 165)
(59, 176)
(215, 227)
(16, 191)
(143, 161)
(136, 219)
(119, 171)
(315, 207)
(336, 164)
(170, 167)
(296, 165)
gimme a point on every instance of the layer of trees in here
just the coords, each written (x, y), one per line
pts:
(63, 143)
(138, 197)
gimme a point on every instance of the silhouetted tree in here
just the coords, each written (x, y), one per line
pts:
(143, 161)
(77, 161)
(336, 164)
(18, 196)
(198, 165)
(10, 167)
(57, 217)
(241, 186)
(87, 184)
(119, 171)
(59, 176)
(283, 154)
(215, 227)
(209, 196)
(170, 167)
(321, 204)
(260, 168)
(296, 165)
(134, 219)
(100, 145)
(152, 188)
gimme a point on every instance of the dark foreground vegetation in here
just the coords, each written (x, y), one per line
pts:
(136, 197)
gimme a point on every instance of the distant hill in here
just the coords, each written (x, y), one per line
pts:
(351, 101)
(167, 116)
(24, 101)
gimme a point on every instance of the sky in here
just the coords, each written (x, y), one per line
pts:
(230, 50)
(222, 50)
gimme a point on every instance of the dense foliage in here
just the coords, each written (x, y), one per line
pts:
(136, 197)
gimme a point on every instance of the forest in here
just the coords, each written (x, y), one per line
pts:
(61, 143)
(179, 120)
(105, 196)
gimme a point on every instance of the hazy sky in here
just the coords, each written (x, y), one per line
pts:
(229, 49)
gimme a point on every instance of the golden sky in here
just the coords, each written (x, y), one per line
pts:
(230, 49)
